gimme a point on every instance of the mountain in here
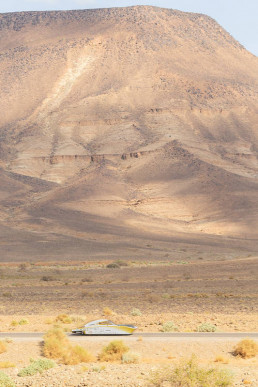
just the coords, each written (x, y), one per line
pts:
(125, 132)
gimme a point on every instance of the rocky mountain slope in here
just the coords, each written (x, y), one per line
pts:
(125, 130)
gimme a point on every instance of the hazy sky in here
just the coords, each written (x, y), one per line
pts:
(239, 17)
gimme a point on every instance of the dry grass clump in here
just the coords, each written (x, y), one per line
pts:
(221, 359)
(64, 319)
(6, 364)
(189, 374)
(246, 348)
(57, 346)
(3, 347)
(113, 351)
(75, 355)
(55, 342)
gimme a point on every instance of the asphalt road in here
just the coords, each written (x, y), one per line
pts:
(35, 336)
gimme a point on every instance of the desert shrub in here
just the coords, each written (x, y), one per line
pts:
(153, 298)
(113, 351)
(6, 364)
(14, 323)
(113, 266)
(75, 355)
(3, 347)
(55, 342)
(37, 367)
(206, 327)
(130, 357)
(5, 381)
(87, 279)
(189, 374)
(23, 321)
(23, 266)
(169, 326)
(64, 318)
(136, 312)
(246, 348)
(57, 346)
(47, 278)
(7, 294)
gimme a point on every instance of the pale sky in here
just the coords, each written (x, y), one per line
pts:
(238, 17)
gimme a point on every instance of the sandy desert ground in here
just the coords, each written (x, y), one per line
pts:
(154, 354)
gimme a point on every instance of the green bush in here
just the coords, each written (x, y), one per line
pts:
(5, 381)
(206, 327)
(169, 326)
(189, 374)
(37, 367)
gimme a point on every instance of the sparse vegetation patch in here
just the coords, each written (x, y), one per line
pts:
(190, 374)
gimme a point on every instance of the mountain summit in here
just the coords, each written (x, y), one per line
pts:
(123, 128)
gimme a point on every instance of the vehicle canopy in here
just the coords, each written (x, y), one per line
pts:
(99, 322)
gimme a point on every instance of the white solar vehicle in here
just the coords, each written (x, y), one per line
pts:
(105, 327)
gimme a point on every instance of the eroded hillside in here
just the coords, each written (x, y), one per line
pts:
(124, 127)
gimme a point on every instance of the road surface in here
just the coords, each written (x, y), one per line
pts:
(182, 336)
